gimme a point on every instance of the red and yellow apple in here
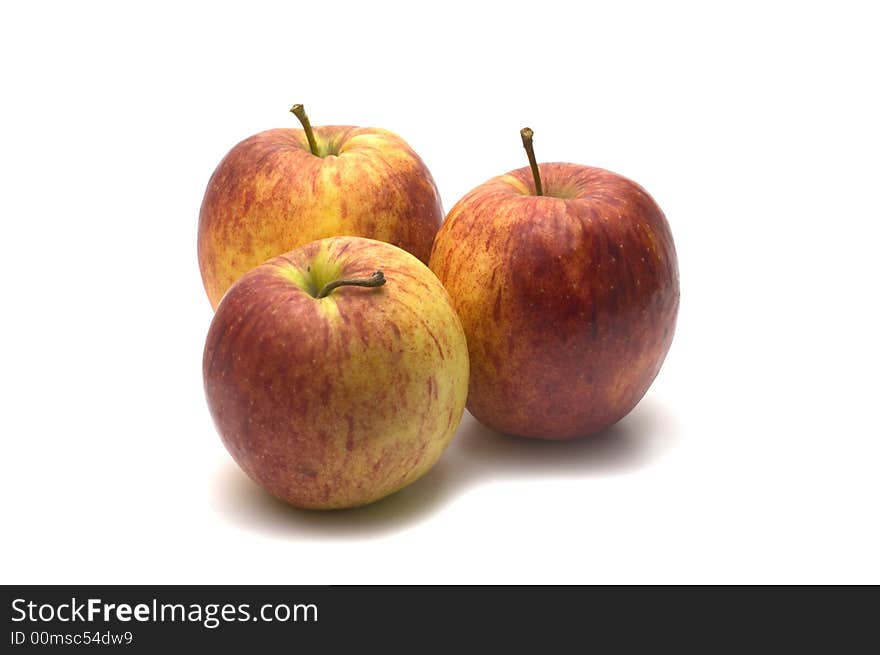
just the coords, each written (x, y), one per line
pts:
(337, 373)
(568, 292)
(283, 188)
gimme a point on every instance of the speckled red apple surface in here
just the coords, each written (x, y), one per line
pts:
(283, 188)
(336, 400)
(569, 299)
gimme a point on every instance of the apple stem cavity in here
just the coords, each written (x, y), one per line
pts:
(300, 112)
(527, 134)
(377, 279)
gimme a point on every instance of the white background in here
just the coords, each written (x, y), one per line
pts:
(754, 456)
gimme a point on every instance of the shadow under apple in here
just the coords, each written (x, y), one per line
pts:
(476, 455)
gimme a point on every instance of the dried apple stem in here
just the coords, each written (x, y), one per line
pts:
(377, 279)
(527, 134)
(300, 112)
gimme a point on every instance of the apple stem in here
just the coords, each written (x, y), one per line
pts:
(300, 112)
(527, 134)
(377, 279)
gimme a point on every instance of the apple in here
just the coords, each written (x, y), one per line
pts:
(565, 278)
(283, 188)
(336, 373)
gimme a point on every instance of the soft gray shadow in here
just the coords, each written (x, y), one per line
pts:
(639, 439)
(476, 455)
(241, 501)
